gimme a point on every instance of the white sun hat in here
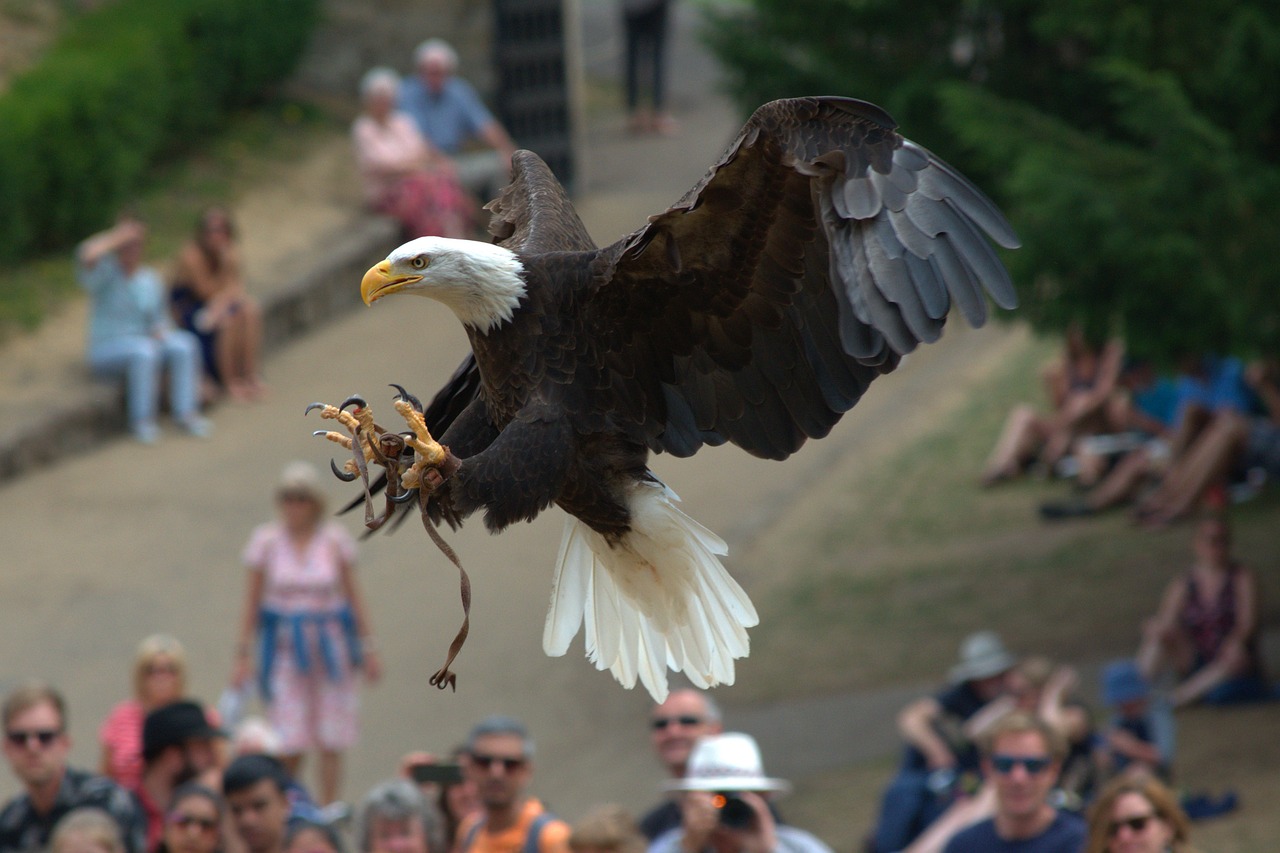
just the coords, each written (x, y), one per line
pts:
(727, 762)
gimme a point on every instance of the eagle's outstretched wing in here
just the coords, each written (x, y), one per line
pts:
(820, 249)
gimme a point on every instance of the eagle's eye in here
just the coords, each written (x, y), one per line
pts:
(420, 262)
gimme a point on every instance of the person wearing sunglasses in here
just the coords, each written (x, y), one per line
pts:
(193, 822)
(675, 726)
(499, 760)
(1137, 814)
(36, 745)
(1021, 758)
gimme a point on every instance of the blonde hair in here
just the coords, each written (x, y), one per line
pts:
(608, 827)
(159, 646)
(1018, 722)
(93, 824)
(1151, 789)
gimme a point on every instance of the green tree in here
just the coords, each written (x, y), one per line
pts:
(1135, 146)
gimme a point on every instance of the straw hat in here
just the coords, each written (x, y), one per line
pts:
(727, 762)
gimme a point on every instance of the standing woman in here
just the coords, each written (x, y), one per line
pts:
(305, 607)
(209, 298)
(159, 677)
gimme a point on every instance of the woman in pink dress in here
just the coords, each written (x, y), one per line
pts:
(159, 677)
(402, 173)
(305, 609)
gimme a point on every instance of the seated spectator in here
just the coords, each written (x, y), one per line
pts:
(607, 829)
(1139, 737)
(1021, 758)
(193, 821)
(403, 175)
(938, 749)
(450, 114)
(1137, 815)
(1232, 445)
(305, 836)
(394, 817)
(159, 677)
(209, 300)
(131, 335)
(1206, 628)
(86, 830)
(255, 789)
(724, 806)
(1207, 399)
(1079, 389)
(36, 744)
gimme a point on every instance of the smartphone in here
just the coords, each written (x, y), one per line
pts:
(441, 774)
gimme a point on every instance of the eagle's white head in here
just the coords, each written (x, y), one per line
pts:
(481, 282)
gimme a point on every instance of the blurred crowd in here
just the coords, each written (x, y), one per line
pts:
(1125, 434)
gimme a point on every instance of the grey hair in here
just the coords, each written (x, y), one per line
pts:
(398, 799)
(379, 79)
(500, 725)
(436, 47)
(88, 821)
(713, 710)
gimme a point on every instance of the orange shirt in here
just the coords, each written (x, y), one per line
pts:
(554, 837)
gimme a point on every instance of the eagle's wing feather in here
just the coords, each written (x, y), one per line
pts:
(533, 214)
(820, 249)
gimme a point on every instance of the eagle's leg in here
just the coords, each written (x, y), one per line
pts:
(433, 463)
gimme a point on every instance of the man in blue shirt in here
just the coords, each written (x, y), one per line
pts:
(1021, 758)
(452, 117)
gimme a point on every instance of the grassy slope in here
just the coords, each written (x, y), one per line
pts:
(918, 556)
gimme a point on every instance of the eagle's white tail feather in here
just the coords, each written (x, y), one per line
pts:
(660, 599)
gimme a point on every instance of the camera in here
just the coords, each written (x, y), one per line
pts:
(735, 812)
(441, 774)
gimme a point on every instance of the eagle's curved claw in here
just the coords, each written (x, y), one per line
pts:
(354, 400)
(312, 406)
(339, 473)
(404, 497)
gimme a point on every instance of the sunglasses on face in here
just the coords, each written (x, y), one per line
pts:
(688, 721)
(1004, 764)
(485, 762)
(43, 737)
(187, 821)
(1138, 823)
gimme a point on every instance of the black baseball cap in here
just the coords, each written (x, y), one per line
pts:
(174, 724)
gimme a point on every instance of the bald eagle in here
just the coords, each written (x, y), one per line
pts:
(818, 250)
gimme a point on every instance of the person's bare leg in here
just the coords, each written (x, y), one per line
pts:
(251, 347)
(1022, 434)
(330, 775)
(1230, 662)
(1206, 462)
(1122, 482)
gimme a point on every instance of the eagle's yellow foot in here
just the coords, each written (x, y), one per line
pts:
(430, 452)
(359, 423)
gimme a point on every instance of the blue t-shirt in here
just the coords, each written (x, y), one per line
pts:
(122, 304)
(1065, 835)
(1220, 387)
(449, 119)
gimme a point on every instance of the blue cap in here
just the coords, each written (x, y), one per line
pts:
(1122, 682)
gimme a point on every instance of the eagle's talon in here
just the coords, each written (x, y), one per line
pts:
(307, 411)
(354, 400)
(407, 496)
(341, 474)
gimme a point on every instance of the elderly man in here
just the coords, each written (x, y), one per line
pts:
(499, 760)
(1021, 757)
(938, 749)
(451, 115)
(394, 815)
(676, 725)
(724, 804)
(36, 744)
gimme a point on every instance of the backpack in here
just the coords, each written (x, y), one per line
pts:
(530, 839)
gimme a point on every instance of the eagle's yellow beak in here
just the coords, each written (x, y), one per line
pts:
(379, 282)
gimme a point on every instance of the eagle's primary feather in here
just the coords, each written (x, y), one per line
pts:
(818, 250)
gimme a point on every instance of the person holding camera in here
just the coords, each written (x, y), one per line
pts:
(724, 804)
